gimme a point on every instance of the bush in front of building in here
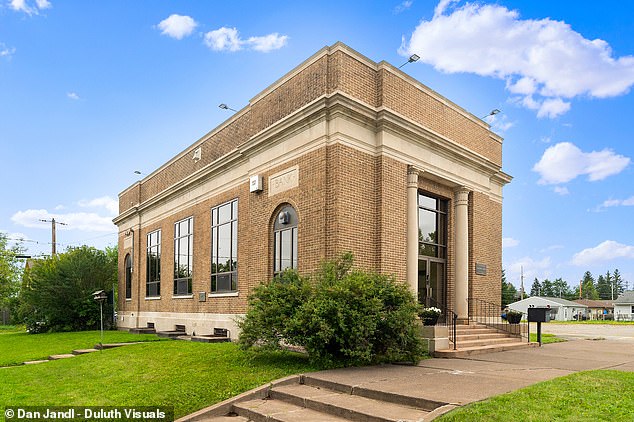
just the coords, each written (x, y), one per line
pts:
(341, 316)
(57, 292)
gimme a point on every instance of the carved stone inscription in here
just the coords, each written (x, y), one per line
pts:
(284, 180)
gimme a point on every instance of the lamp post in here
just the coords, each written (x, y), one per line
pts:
(100, 296)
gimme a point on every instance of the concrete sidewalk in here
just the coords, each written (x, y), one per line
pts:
(462, 381)
(434, 386)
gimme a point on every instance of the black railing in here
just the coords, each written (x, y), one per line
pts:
(447, 318)
(490, 314)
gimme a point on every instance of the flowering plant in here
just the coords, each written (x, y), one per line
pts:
(430, 315)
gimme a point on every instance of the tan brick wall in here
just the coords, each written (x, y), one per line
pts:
(485, 246)
(337, 71)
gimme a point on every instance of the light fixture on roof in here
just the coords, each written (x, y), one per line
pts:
(413, 58)
(226, 107)
(492, 113)
(137, 172)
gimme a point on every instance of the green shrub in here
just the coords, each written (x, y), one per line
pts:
(341, 316)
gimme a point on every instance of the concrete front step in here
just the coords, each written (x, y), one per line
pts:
(484, 336)
(462, 343)
(350, 407)
(266, 410)
(171, 334)
(233, 418)
(476, 350)
(142, 330)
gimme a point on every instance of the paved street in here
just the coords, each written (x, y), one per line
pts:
(623, 333)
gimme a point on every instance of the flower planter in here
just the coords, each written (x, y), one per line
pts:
(429, 319)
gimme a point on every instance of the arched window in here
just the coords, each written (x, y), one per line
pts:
(128, 277)
(285, 239)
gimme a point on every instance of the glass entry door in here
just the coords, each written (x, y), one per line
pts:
(431, 283)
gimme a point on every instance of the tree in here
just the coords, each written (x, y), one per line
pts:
(588, 289)
(604, 286)
(536, 288)
(509, 292)
(562, 289)
(10, 273)
(618, 283)
(56, 293)
(547, 288)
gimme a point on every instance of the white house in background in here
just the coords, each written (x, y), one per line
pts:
(624, 307)
(560, 309)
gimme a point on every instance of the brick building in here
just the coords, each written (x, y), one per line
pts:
(340, 154)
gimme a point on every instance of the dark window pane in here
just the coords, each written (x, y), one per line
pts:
(223, 282)
(427, 250)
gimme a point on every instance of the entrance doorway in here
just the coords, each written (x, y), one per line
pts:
(431, 283)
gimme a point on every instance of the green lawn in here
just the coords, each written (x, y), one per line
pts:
(18, 346)
(584, 396)
(187, 375)
(547, 338)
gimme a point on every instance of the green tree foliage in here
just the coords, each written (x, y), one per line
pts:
(339, 315)
(56, 293)
(588, 288)
(509, 292)
(536, 288)
(547, 289)
(604, 287)
(10, 272)
(619, 284)
(562, 289)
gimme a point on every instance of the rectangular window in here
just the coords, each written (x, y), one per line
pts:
(183, 256)
(224, 248)
(153, 275)
(432, 227)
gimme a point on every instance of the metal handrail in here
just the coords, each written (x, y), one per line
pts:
(490, 314)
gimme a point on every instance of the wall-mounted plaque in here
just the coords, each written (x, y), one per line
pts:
(481, 269)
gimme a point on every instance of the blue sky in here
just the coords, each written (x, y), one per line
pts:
(92, 91)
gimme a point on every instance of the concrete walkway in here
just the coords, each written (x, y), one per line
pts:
(462, 381)
(456, 382)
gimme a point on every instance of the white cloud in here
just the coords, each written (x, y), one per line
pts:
(552, 108)
(499, 124)
(531, 268)
(6, 51)
(106, 202)
(177, 26)
(564, 162)
(228, 39)
(551, 248)
(223, 39)
(28, 8)
(43, 4)
(74, 221)
(608, 203)
(403, 6)
(73, 95)
(604, 251)
(561, 190)
(544, 61)
(267, 43)
(509, 242)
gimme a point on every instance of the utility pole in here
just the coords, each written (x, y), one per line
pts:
(522, 283)
(53, 240)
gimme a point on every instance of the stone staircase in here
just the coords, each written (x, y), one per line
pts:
(475, 338)
(308, 399)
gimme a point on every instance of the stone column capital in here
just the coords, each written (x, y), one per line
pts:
(412, 176)
(462, 195)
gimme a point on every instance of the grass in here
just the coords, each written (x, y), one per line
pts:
(19, 346)
(584, 396)
(547, 338)
(187, 375)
